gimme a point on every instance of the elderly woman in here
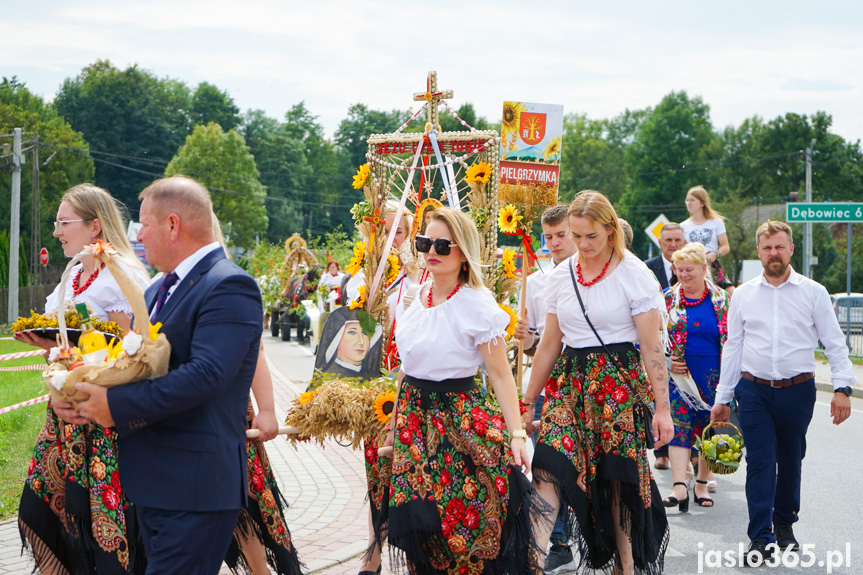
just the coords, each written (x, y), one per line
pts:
(595, 426)
(697, 311)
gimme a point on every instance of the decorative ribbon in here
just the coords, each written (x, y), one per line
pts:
(20, 354)
(31, 367)
(451, 194)
(34, 401)
(526, 241)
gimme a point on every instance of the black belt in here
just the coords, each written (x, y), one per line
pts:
(454, 385)
(787, 382)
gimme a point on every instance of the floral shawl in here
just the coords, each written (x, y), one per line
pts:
(677, 315)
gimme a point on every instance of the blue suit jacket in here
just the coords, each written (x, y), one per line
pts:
(182, 442)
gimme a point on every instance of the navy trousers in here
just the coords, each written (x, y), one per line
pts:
(186, 542)
(774, 423)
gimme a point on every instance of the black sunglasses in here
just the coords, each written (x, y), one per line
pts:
(441, 245)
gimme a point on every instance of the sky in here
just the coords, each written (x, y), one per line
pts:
(764, 58)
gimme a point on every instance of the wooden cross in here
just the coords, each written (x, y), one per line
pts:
(433, 97)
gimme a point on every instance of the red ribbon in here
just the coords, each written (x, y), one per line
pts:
(526, 241)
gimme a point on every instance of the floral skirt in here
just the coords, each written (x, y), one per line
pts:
(593, 446)
(719, 276)
(73, 512)
(456, 502)
(689, 423)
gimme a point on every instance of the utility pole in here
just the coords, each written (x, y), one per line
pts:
(14, 228)
(35, 222)
(807, 227)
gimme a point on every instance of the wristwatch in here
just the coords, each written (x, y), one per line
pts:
(846, 390)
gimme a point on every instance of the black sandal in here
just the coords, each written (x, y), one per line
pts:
(682, 504)
(702, 500)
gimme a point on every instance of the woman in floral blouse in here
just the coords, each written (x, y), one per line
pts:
(697, 324)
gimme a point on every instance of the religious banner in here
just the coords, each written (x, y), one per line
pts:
(530, 150)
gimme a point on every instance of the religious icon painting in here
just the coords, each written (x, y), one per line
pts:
(348, 349)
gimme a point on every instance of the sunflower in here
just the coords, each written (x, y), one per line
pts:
(508, 261)
(479, 172)
(361, 300)
(361, 177)
(384, 405)
(508, 219)
(513, 319)
(394, 268)
(511, 118)
(307, 396)
(356, 263)
(552, 149)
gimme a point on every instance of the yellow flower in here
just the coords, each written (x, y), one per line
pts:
(394, 268)
(508, 219)
(154, 331)
(307, 396)
(356, 263)
(479, 172)
(509, 269)
(511, 118)
(115, 348)
(513, 319)
(361, 300)
(552, 149)
(361, 177)
(384, 405)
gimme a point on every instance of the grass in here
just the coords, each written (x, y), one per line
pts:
(19, 428)
(856, 360)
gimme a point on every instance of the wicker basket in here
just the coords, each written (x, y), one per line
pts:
(716, 465)
(151, 360)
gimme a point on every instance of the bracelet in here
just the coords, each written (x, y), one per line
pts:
(528, 403)
(518, 434)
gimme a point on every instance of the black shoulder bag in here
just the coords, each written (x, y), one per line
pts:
(641, 405)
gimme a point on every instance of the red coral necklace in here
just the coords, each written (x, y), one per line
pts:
(687, 303)
(452, 293)
(77, 288)
(597, 278)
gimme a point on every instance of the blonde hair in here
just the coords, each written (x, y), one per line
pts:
(771, 227)
(392, 207)
(693, 253)
(700, 194)
(91, 202)
(467, 238)
(628, 234)
(595, 207)
(185, 197)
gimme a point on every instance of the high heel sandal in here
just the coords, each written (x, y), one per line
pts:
(702, 500)
(682, 504)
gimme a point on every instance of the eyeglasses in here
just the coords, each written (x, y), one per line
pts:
(60, 223)
(441, 245)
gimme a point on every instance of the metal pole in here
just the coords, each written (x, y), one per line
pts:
(35, 224)
(807, 227)
(14, 228)
(848, 269)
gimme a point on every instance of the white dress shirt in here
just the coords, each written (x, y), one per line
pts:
(668, 273)
(773, 333)
(535, 298)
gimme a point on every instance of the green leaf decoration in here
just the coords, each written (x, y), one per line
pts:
(367, 322)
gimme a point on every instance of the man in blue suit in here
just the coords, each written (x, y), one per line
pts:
(182, 436)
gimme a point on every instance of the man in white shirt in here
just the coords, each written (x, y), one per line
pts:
(558, 239)
(774, 324)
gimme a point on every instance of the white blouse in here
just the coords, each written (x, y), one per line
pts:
(443, 342)
(707, 233)
(630, 289)
(103, 295)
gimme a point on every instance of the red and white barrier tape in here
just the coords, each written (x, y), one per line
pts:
(7, 339)
(31, 367)
(21, 354)
(33, 401)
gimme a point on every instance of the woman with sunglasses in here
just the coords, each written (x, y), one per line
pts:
(458, 501)
(73, 514)
(594, 432)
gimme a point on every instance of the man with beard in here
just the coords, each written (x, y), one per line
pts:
(774, 324)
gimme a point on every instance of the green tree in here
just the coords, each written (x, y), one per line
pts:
(222, 161)
(64, 161)
(124, 115)
(591, 160)
(209, 104)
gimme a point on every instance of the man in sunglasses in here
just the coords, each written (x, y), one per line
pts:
(558, 239)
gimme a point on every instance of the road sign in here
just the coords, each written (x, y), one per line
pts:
(824, 212)
(43, 257)
(653, 229)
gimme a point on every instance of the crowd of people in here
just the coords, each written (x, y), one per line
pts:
(628, 356)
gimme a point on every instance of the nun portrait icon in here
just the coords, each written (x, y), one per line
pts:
(346, 350)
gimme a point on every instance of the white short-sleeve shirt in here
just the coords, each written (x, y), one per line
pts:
(628, 290)
(707, 233)
(103, 295)
(443, 342)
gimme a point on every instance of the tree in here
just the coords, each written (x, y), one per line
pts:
(64, 162)
(591, 160)
(209, 104)
(124, 115)
(221, 161)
